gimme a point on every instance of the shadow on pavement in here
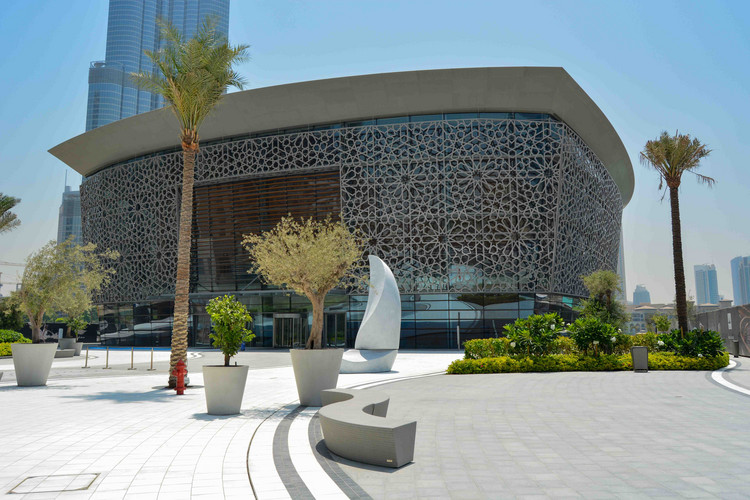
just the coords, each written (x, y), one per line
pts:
(159, 395)
(323, 450)
(252, 414)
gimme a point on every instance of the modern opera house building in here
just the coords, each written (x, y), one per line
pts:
(488, 191)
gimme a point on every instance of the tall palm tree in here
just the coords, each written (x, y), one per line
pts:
(192, 76)
(8, 220)
(671, 156)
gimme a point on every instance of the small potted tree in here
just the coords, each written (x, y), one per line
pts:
(75, 327)
(52, 277)
(310, 257)
(225, 384)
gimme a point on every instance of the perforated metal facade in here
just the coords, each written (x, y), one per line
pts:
(453, 205)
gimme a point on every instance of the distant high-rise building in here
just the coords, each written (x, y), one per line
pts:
(641, 296)
(741, 280)
(706, 284)
(69, 221)
(131, 29)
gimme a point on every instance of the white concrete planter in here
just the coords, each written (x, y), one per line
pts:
(315, 370)
(224, 387)
(78, 347)
(67, 343)
(32, 362)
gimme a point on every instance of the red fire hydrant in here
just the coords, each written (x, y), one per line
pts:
(180, 370)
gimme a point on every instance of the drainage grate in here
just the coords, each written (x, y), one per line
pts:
(55, 484)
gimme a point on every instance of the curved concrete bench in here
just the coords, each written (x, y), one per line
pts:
(355, 426)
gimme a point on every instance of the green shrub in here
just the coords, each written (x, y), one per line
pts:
(550, 363)
(695, 343)
(650, 340)
(486, 348)
(568, 363)
(534, 335)
(229, 318)
(5, 349)
(590, 333)
(563, 345)
(672, 361)
(10, 336)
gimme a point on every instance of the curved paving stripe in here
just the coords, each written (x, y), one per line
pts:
(718, 377)
(273, 467)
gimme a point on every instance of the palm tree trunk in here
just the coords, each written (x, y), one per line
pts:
(679, 268)
(182, 287)
(315, 341)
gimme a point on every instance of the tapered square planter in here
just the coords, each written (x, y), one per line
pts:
(315, 370)
(32, 363)
(71, 343)
(224, 386)
(66, 343)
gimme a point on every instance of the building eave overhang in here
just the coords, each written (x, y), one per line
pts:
(525, 89)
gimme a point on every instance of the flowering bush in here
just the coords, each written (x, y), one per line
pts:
(589, 332)
(535, 334)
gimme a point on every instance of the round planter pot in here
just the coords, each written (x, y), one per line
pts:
(224, 386)
(315, 370)
(67, 343)
(32, 363)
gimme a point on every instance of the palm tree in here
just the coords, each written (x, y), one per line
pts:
(8, 220)
(192, 76)
(672, 156)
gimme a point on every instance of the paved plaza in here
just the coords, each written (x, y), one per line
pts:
(100, 434)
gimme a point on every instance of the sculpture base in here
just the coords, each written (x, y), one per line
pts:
(368, 360)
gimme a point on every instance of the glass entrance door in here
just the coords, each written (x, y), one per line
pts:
(334, 327)
(288, 330)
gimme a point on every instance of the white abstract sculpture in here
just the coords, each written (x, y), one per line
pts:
(379, 334)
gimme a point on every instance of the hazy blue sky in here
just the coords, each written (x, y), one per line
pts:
(650, 65)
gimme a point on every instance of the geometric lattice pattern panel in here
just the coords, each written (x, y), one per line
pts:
(495, 205)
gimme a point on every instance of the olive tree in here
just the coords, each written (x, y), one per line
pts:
(309, 257)
(61, 276)
(602, 303)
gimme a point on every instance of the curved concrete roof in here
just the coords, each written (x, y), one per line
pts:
(529, 89)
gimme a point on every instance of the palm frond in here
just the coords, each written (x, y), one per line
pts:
(192, 75)
(673, 155)
(8, 220)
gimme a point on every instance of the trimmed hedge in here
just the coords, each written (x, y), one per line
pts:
(708, 343)
(570, 363)
(5, 349)
(490, 348)
(9, 336)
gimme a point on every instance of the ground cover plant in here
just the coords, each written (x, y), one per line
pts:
(592, 346)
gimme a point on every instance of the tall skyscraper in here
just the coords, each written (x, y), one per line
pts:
(69, 220)
(132, 28)
(706, 284)
(741, 280)
(641, 296)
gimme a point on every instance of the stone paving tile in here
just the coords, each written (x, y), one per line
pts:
(589, 435)
(143, 440)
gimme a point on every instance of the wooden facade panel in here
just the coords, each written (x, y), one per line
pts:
(223, 213)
